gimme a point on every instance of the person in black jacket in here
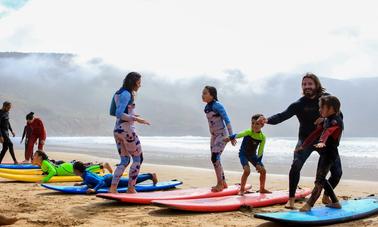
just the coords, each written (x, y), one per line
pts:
(5, 127)
(306, 109)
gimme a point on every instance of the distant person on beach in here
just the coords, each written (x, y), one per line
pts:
(37, 134)
(306, 109)
(7, 221)
(220, 127)
(25, 135)
(95, 182)
(64, 169)
(251, 150)
(327, 138)
(128, 144)
(5, 127)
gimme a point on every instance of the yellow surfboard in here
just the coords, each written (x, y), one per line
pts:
(38, 178)
(26, 171)
(22, 171)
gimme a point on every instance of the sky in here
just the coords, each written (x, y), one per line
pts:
(181, 39)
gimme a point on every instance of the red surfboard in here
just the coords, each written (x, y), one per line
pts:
(193, 193)
(230, 203)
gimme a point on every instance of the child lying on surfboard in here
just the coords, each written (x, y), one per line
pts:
(251, 150)
(41, 159)
(95, 182)
(328, 137)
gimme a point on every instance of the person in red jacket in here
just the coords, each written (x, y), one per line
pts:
(37, 132)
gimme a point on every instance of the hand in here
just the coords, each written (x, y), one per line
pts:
(320, 145)
(91, 191)
(226, 139)
(142, 121)
(42, 142)
(13, 134)
(319, 121)
(233, 142)
(36, 142)
(298, 149)
(21, 141)
(1, 139)
(262, 120)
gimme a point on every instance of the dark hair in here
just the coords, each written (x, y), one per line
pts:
(79, 166)
(330, 101)
(30, 116)
(130, 81)
(42, 154)
(6, 104)
(256, 116)
(212, 91)
(319, 89)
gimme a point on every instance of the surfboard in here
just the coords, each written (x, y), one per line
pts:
(18, 166)
(230, 203)
(22, 171)
(38, 178)
(321, 215)
(144, 187)
(192, 193)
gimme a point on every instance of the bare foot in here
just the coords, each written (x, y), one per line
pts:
(336, 205)
(113, 190)
(326, 200)
(264, 191)
(7, 221)
(131, 190)
(305, 208)
(154, 178)
(242, 191)
(225, 185)
(108, 167)
(217, 188)
(290, 204)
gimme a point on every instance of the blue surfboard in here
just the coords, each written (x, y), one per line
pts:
(321, 215)
(19, 166)
(142, 187)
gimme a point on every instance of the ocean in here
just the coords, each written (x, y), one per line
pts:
(359, 155)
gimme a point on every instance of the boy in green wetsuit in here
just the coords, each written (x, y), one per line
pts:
(65, 169)
(251, 150)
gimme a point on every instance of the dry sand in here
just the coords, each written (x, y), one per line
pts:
(36, 206)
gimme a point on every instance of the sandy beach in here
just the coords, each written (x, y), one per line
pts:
(36, 206)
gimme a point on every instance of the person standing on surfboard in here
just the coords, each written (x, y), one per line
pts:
(328, 138)
(251, 150)
(306, 110)
(220, 127)
(128, 144)
(37, 133)
(5, 127)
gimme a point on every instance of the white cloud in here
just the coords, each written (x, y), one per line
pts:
(191, 38)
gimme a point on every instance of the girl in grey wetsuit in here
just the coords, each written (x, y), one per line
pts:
(220, 127)
(127, 140)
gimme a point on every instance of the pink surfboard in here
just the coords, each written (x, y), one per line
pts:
(230, 203)
(193, 193)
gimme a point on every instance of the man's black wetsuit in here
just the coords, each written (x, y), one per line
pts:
(307, 112)
(4, 132)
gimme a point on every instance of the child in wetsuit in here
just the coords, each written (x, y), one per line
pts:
(65, 169)
(328, 136)
(251, 150)
(95, 182)
(220, 127)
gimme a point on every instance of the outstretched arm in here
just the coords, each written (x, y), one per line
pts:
(283, 116)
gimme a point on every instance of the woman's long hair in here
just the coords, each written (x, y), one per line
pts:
(130, 82)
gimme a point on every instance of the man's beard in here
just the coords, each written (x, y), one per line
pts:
(309, 93)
